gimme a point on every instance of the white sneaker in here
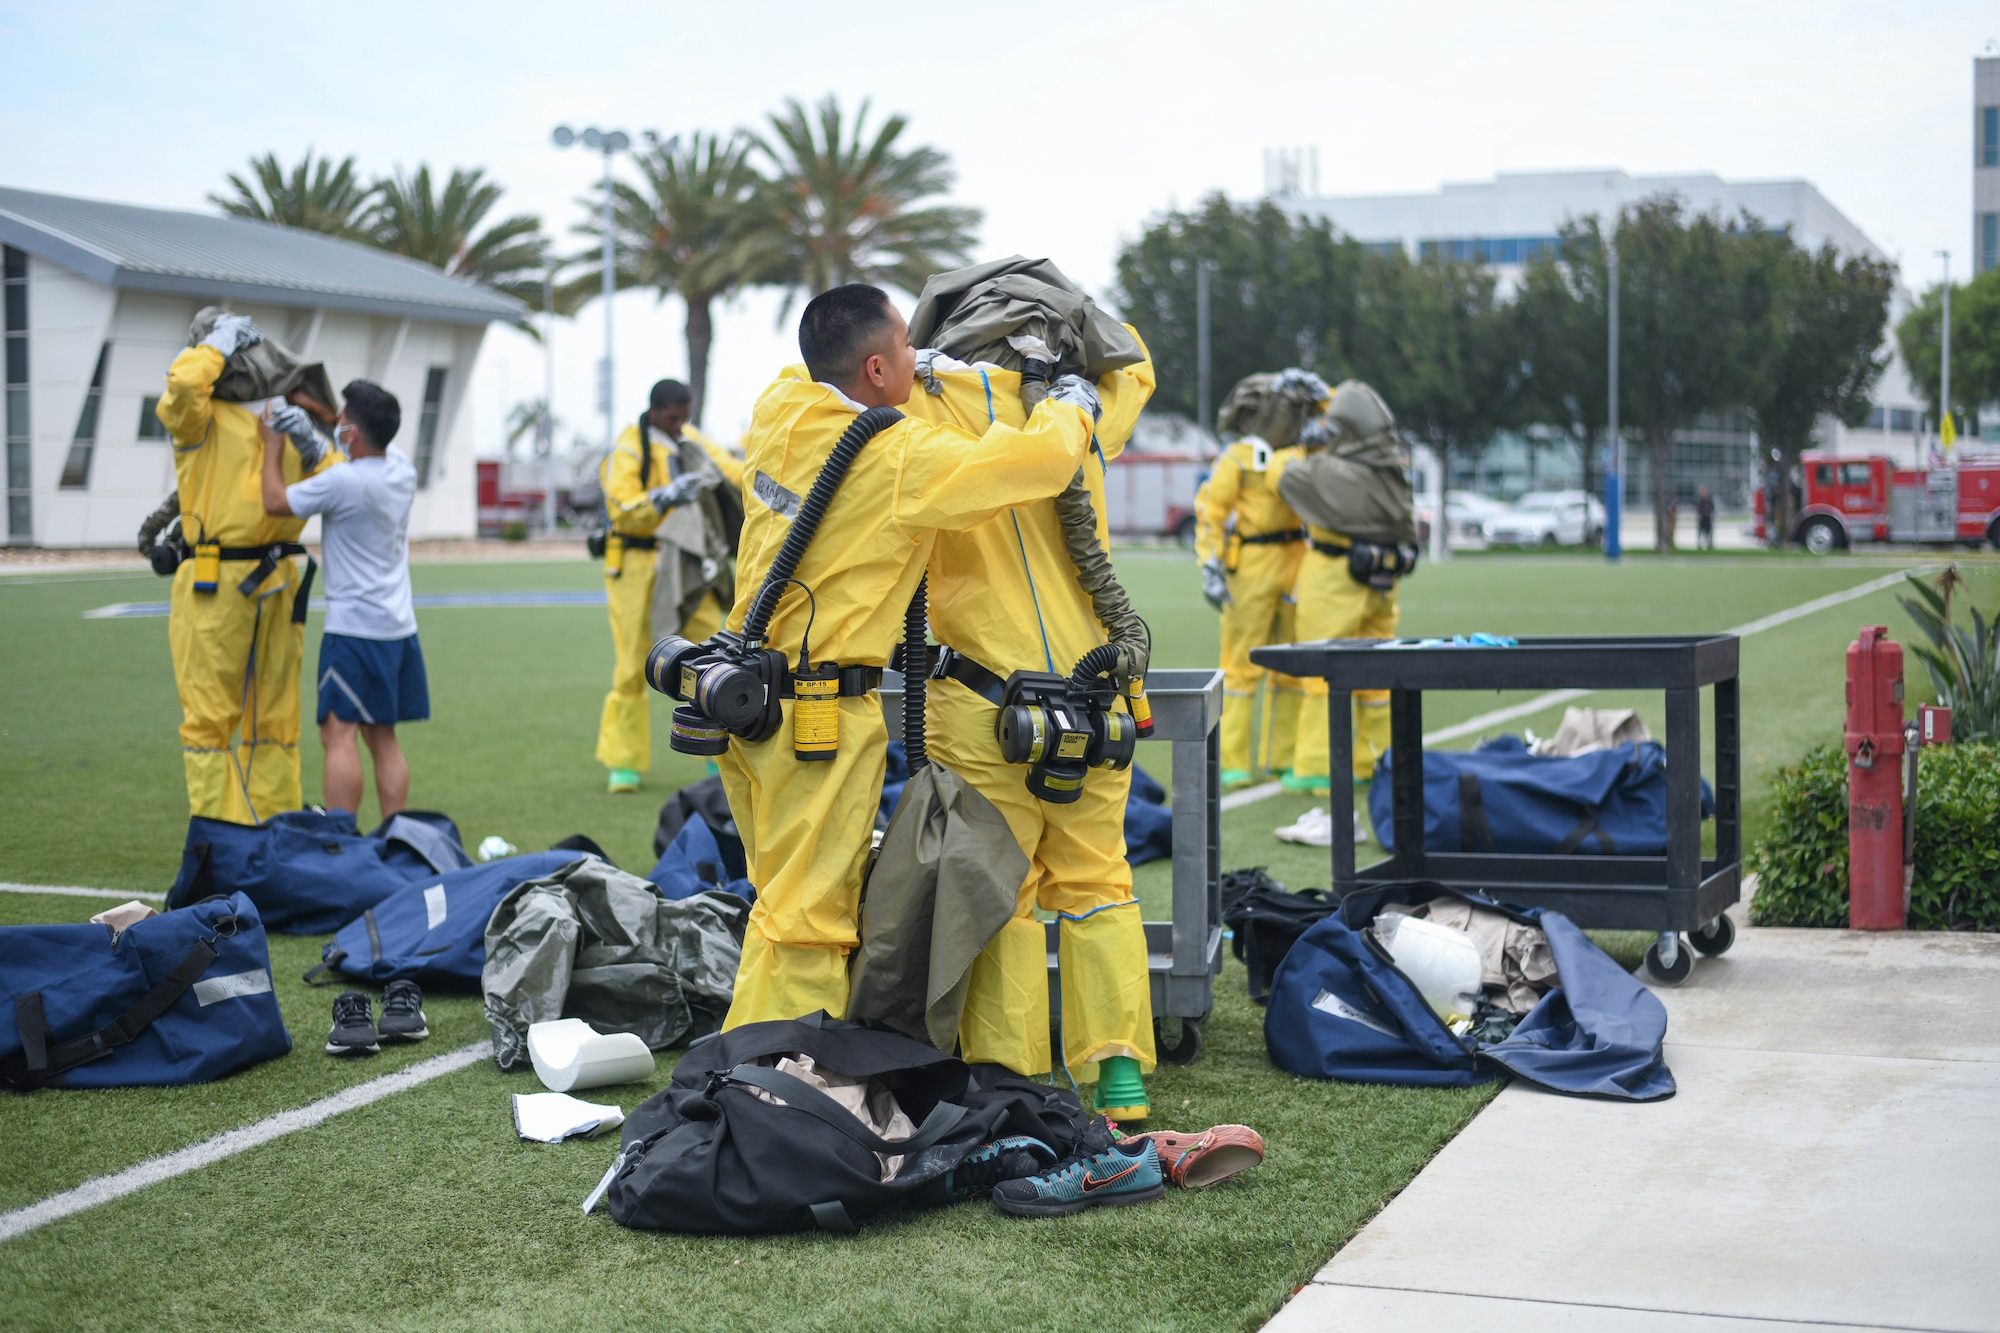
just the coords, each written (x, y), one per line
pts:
(1315, 829)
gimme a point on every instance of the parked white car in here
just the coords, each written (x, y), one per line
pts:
(1549, 518)
(1468, 512)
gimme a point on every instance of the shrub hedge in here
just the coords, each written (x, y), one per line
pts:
(1801, 866)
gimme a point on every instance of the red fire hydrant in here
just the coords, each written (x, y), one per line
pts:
(1875, 835)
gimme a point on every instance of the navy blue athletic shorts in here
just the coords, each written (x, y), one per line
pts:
(372, 681)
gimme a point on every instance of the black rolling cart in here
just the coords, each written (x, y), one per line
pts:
(1682, 891)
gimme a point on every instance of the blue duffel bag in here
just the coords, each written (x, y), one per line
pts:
(1500, 798)
(312, 871)
(1341, 1009)
(695, 862)
(183, 997)
(433, 933)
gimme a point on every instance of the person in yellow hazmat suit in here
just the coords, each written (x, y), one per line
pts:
(807, 827)
(1004, 597)
(674, 496)
(236, 619)
(1249, 543)
(1361, 539)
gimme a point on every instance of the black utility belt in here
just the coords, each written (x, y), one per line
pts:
(1276, 538)
(637, 543)
(275, 552)
(1371, 563)
(855, 681)
(951, 664)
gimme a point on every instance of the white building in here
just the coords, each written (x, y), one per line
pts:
(1985, 163)
(98, 298)
(1507, 221)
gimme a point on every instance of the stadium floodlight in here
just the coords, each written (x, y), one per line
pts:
(606, 142)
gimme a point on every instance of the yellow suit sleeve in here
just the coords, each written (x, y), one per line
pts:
(1123, 394)
(1213, 504)
(186, 409)
(952, 479)
(619, 476)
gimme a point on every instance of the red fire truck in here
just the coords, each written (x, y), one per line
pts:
(1848, 501)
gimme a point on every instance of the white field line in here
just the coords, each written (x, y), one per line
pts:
(1528, 708)
(69, 891)
(178, 1163)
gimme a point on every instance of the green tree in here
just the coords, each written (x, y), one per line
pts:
(1691, 299)
(1975, 344)
(1560, 331)
(1282, 292)
(318, 194)
(1432, 338)
(697, 226)
(1822, 346)
(843, 200)
(448, 229)
(525, 421)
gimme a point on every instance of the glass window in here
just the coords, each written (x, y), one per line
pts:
(1876, 419)
(1461, 250)
(427, 424)
(1854, 474)
(1902, 418)
(1428, 249)
(76, 467)
(1507, 250)
(149, 418)
(1989, 136)
(20, 500)
(1822, 474)
(1989, 240)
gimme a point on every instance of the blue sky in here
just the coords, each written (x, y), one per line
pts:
(1069, 124)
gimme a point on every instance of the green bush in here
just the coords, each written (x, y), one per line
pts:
(1801, 866)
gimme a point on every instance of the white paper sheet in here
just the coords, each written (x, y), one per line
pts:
(551, 1117)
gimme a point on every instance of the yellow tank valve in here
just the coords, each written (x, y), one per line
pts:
(1142, 710)
(614, 556)
(207, 566)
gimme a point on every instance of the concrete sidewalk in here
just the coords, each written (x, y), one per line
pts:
(1832, 1159)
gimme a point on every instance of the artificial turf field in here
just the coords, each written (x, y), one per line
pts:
(424, 1210)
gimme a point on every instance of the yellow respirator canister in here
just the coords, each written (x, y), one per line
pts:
(614, 555)
(816, 713)
(207, 566)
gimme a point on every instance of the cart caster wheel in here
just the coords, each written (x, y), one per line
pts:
(1669, 974)
(1182, 1052)
(1715, 938)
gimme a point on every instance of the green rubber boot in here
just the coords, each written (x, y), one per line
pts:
(623, 780)
(1306, 785)
(1232, 778)
(1121, 1092)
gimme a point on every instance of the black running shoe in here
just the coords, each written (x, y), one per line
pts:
(353, 1026)
(403, 1013)
(1008, 1158)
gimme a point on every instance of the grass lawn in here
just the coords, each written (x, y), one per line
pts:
(423, 1210)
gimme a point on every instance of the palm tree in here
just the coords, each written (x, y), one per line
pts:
(317, 195)
(695, 227)
(444, 230)
(843, 197)
(531, 421)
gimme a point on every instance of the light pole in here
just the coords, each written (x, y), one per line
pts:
(1614, 478)
(546, 428)
(1944, 388)
(607, 143)
(1204, 389)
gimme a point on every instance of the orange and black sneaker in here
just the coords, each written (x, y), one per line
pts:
(1193, 1161)
(1126, 1172)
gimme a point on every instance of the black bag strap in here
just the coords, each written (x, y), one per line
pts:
(1584, 828)
(832, 1216)
(1474, 833)
(303, 598)
(798, 1093)
(333, 960)
(25, 1072)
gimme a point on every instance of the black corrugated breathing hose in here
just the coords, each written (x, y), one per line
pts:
(916, 676)
(806, 522)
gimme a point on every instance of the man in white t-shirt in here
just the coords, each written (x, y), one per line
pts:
(371, 667)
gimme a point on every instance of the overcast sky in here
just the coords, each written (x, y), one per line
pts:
(1069, 124)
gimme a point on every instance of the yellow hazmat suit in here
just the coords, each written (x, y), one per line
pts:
(236, 655)
(625, 731)
(1260, 556)
(807, 826)
(1005, 593)
(1333, 605)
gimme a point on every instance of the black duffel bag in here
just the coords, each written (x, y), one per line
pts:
(1266, 921)
(708, 1154)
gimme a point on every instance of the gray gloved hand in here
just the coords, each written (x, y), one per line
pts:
(1215, 585)
(929, 362)
(1076, 389)
(293, 420)
(233, 333)
(678, 491)
(1295, 378)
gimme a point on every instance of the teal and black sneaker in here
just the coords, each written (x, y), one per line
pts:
(984, 1167)
(1126, 1172)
